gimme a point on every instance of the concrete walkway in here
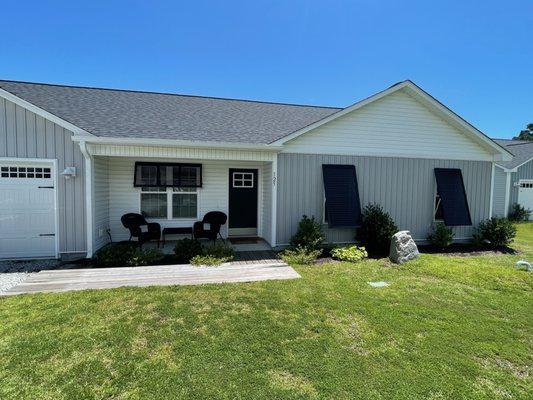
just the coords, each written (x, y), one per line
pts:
(162, 275)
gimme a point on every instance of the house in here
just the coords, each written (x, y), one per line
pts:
(74, 159)
(513, 180)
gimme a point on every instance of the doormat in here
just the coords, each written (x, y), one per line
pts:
(244, 240)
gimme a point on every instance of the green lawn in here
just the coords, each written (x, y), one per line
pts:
(446, 328)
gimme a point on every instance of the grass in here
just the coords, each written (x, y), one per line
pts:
(446, 328)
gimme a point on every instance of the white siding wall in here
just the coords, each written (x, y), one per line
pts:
(397, 126)
(101, 202)
(124, 198)
(498, 200)
(24, 134)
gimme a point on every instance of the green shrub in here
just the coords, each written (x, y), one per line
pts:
(209, 260)
(309, 234)
(442, 236)
(300, 256)
(219, 250)
(349, 253)
(496, 232)
(126, 254)
(519, 213)
(186, 249)
(376, 230)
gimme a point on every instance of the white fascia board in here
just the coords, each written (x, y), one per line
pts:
(498, 152)
(45, 114)
(177, 143)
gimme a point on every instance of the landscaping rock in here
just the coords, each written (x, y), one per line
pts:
(402, 248)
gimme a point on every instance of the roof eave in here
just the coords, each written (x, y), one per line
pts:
(177, 143)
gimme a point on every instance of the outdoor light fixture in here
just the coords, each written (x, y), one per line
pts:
(69, 172)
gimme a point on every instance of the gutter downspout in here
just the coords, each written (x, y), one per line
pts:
(274, 203)
(88, 196)
(491, 201)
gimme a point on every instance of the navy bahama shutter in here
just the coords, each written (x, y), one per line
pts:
(342, 196)
(452, 192)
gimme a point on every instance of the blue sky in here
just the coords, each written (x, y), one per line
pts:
(476, 57)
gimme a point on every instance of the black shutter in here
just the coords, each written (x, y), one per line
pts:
(342, 196)
(452, 193)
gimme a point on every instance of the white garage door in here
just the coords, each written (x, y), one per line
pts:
(27, 210)
(525, 195)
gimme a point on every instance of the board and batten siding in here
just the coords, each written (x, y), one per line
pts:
(498, 197)
(213, 196)
(396, 125)
(523, 172)
(24, 134)
(404, 187)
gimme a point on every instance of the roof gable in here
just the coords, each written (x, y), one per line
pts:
(460, 125)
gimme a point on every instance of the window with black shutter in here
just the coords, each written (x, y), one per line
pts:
(149, 174)
(452, 194)
(342, 196)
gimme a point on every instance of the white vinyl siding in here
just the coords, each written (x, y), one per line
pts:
(212, 196)
(396, 125)
(101, 202)
(524, 172)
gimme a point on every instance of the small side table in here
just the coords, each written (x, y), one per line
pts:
(176, 231)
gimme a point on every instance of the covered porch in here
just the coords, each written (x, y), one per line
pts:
(177, 186)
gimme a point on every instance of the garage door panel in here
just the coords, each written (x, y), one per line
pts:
(27, 211)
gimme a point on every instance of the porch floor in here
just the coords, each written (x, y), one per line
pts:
(161, 275)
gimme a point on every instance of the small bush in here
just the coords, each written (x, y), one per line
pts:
(186, 249)
(126, 254)
(376, 230)
(496, 232)
(219, 250)
(519, 213)
(442, 236)
(300, 256)
(209, 260)
(309, 234)
(349, 253)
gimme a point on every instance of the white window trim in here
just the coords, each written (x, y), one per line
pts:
(169, 191)
(246, 178)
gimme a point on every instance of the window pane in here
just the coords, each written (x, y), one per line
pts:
(190, 176)
(438, 209)
(169, 175)
(146, 175)
(184, 205)
(184, 190)
(154, 205)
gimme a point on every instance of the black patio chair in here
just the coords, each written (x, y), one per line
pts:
(133, 223)
(215, 219)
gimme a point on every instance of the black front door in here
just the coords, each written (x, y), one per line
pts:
(243, 199)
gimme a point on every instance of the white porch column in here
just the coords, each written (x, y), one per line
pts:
(88, 197)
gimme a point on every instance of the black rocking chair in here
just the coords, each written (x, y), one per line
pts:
(215, 219)
(133, 223)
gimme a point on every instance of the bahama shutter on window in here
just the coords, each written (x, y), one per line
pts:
(342, 196)
(451, 190)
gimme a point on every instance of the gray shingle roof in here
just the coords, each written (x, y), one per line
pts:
(521, 149)
(132, 114)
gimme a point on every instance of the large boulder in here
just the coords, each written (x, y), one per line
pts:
(402, 248)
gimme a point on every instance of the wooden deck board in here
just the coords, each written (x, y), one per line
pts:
(164, 275)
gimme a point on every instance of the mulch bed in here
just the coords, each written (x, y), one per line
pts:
(466, 250)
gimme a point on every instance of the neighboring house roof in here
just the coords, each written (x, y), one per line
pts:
(135, 114)
(522, 151)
